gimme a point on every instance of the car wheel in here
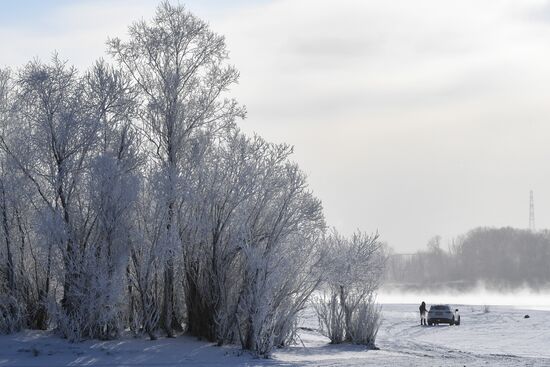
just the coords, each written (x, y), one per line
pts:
(430, 323)
(458, 321)
(452, 321)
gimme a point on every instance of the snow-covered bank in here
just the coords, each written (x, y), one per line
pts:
(500, 337)
(39, 348)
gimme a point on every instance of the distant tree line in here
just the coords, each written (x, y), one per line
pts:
(499, 258)
(130, 200)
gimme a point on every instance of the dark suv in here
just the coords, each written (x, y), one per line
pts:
(442, 314)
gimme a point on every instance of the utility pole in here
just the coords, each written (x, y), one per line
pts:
(531, 212)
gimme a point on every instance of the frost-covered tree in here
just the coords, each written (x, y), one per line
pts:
(252, 244)
(81, 188)
(8, 284)
(180, 69)
(112, 187)
(49, 140)
(11, 303)
(280, 255)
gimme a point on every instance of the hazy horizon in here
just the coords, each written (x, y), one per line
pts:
(524, 298)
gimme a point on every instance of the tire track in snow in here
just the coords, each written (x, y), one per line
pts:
(404, 337)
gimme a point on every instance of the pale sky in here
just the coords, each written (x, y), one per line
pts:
(410, 117)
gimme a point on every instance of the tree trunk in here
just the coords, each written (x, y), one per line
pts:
(7, 237)
(200, 315)
(168, 299)
(347, 313)
(131, 306)
(42, 311)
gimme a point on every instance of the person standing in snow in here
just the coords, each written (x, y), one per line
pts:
(422, 309)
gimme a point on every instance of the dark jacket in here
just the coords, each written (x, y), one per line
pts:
(422, 308)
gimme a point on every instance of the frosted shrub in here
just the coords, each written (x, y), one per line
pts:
(365, 323)
(274, 296)
(363, 326)
(12, 314)
(98, 315)
(331, 317)
(68, 325)
(347, 312)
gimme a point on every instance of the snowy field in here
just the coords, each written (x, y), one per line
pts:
(500, 337)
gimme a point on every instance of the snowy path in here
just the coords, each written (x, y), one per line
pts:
(501, 337)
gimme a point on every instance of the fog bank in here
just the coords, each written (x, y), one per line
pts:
(524, 298)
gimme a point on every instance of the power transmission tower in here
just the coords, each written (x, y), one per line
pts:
(531, 212)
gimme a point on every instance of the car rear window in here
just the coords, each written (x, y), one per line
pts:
(440, 308)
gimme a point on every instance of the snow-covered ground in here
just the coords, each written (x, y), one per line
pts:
(500, 337)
